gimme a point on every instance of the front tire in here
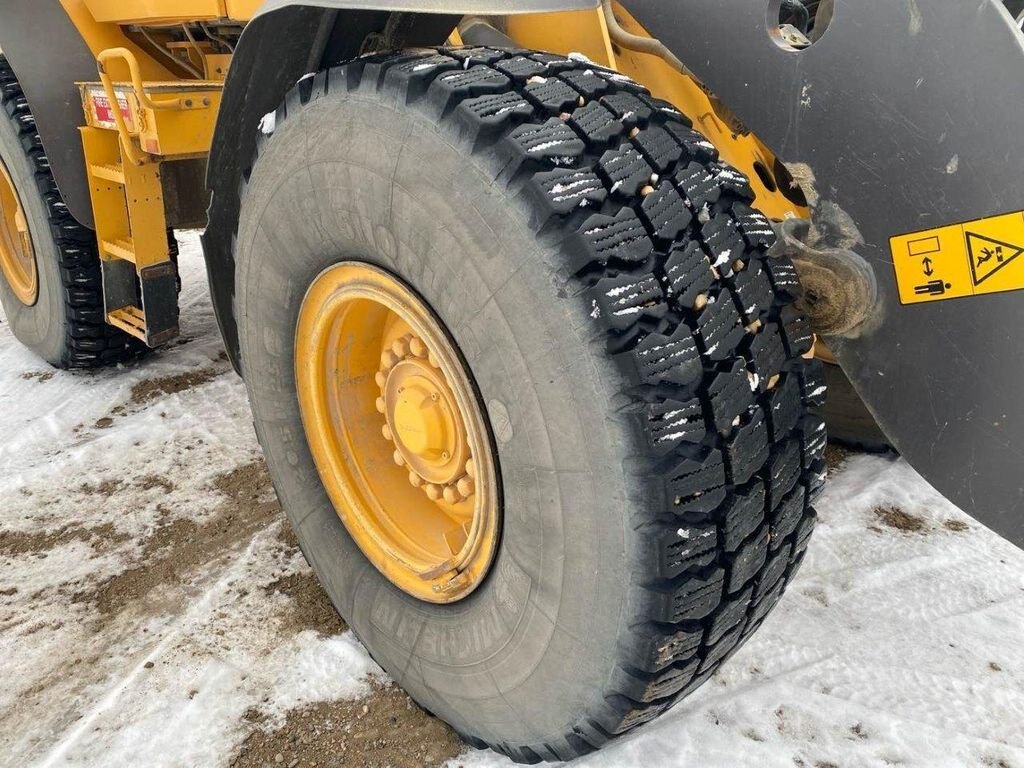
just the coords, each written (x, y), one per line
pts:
(649, 411)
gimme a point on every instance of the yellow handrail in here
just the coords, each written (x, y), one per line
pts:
(133, 153)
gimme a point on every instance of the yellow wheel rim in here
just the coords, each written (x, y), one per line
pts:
(17, 257)
(397, 432)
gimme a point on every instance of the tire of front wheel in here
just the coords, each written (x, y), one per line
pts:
(635, 348)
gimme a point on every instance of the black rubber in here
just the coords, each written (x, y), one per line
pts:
(685, 454)
(65, 326)
(849, 421)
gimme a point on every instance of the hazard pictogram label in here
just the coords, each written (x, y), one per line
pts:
(988, 256)
(967, 259)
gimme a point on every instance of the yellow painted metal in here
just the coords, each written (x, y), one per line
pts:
(242, 10)
(215, 66)
(155, 11)
(100, 36)
(127, 201)
(586, 32)
(175, 118)
(397, 433)
(17, 256)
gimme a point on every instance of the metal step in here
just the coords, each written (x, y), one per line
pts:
(109, 171)
(118, 249)
(131, 320)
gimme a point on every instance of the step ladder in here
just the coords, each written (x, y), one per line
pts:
(131, 129)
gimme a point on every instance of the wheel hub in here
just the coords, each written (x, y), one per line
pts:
(423, 420)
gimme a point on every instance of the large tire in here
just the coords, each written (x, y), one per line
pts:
(65, 324)
(657, 462)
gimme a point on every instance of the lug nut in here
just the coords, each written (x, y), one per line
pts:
(465, 486)
(470, 468)
(452, 495)
(417, 347)
(386, 431)
(415, 479)
(379, 403)
(388, 360)
(401, 347)
(399, 460)
(433, 360)
(380, 378)
(433, 491)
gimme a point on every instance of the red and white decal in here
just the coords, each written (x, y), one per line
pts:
(102, 112)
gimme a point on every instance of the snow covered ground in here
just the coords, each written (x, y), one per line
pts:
(155, 611)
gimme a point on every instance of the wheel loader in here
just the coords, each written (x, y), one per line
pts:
(536, 301)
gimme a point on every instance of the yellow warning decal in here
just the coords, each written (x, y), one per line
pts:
(968, 259)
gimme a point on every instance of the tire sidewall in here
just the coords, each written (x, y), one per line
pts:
(531, 649)
(41, 326)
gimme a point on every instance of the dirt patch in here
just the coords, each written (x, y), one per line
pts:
(311, 607)
(957, 526)
(153, 389)
(148, 482)
(39, 376)
(386, 729)
(25, 543)
(179, 547)
(106, 488)
(835, 455)
(287, 536)
(900, 520)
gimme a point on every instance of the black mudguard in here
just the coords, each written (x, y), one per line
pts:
(284, 41)
(909, 114)
(48, 55)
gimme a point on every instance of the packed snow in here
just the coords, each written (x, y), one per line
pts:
(122, 644)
